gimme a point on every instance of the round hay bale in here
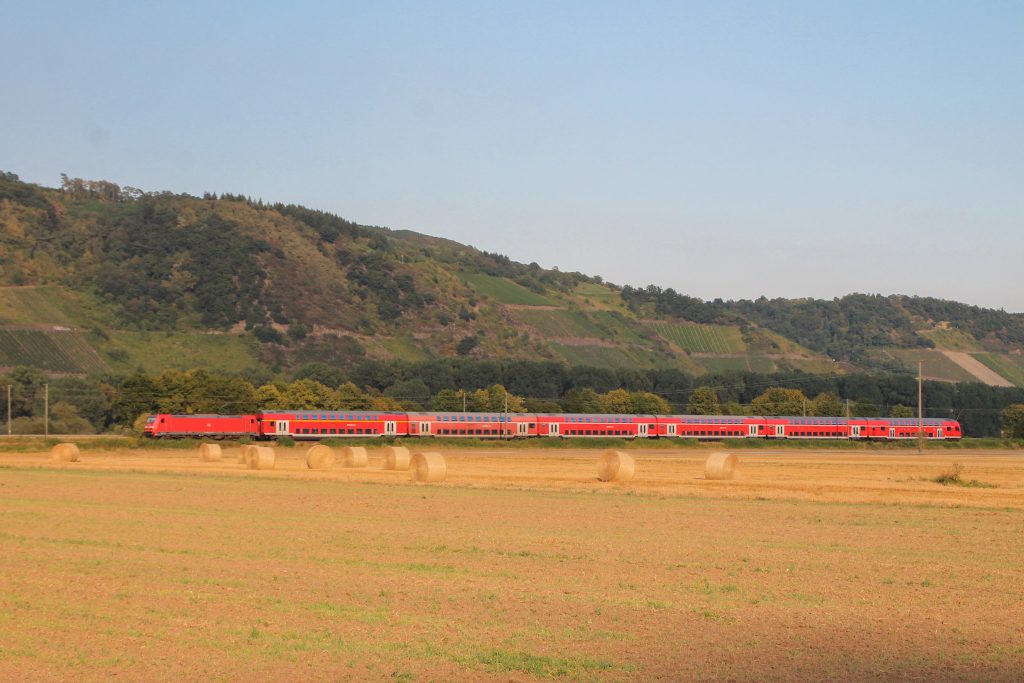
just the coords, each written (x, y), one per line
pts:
(616, 466)
(428, 466)
(396, 458)
(354, 456)
(261, 458)
(320, 457)
(720, 465)
(65, 452)
(243, 454)
(209, 452)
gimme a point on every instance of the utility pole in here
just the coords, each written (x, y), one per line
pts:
(463, 400)
(505, 422)
(847, 409)
(46, 410)
(920, 409)
(8, 410)
(805, 406)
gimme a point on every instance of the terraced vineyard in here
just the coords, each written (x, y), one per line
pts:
(560, 323)
(505, 291)
(695, 338)
(54, 351)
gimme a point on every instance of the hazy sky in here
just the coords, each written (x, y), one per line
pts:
(723, 149)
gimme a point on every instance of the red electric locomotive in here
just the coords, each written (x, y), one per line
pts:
(215, 426)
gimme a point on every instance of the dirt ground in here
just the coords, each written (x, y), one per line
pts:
(153, 565)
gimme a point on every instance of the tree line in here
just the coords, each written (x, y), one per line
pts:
(111, 403)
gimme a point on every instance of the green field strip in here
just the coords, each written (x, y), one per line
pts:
(1003, 366)
(505, 291)
(742, 363)
(813, 366)
(43, 306)
(607, 356)
(159, 351)
(936, 365)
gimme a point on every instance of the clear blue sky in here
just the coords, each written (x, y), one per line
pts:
(723, 149)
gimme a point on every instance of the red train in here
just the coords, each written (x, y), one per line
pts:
(328, 424)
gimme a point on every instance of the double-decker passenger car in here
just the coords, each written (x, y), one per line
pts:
(478, 425)
(597, 425)
(323, 424)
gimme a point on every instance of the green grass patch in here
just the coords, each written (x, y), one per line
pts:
(599, 295)
(505, 291)
(47, 305)
(156, 352)
(403, 348)
(540, 666)
(951, 339)
(952, 477)
(619, 357)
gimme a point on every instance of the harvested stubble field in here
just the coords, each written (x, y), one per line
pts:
(522, 565)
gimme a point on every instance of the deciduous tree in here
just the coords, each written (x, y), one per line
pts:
(780, 401)
(704, 401)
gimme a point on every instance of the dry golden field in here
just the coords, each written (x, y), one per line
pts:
(155, 565)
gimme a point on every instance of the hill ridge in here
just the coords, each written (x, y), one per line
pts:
(281, 286)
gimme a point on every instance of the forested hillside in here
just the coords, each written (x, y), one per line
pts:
(99, 280)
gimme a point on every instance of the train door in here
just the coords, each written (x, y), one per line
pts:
(641, 429)
(425, 428)
(938, 433)
(522, 429)
(670, 429)
(854, 431)
(553, 429)
(780, 430)
(281, 427)
(390, 427)
(892, 432)
(751, 430)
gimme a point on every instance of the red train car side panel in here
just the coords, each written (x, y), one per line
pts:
(323, 424)
(597, 425)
